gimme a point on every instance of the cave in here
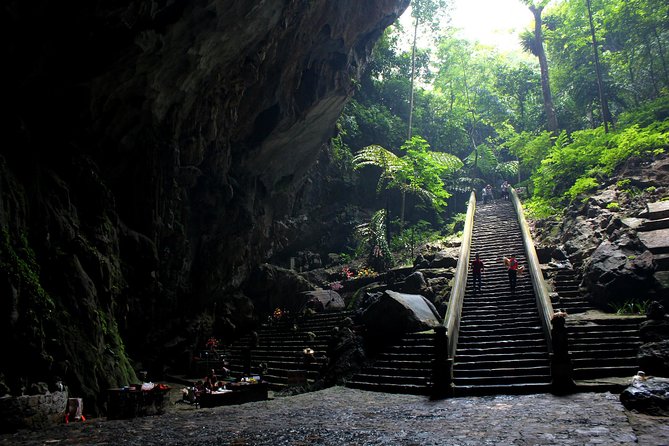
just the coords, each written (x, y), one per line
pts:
(155, 153)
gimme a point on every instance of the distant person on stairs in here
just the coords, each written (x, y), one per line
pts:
(477, 271)
(505, 190)
(512, 267)
(487, 194)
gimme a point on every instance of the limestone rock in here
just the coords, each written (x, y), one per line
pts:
(445, 259)
(275, 287)
(619, 271)
(654, 358)
(324, 300)
(171, 160)
(650, 396)
(657, 240)
(396, 313)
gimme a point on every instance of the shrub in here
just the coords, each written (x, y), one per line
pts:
(582, 186)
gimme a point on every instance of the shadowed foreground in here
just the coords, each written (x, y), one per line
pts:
(342, 416)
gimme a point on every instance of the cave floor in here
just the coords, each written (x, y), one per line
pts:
(342, 416)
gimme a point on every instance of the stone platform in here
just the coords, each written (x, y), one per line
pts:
(339, 415)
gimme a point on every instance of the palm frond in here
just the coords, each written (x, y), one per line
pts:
(448, 162)
(376, 155)
(528, 42)
(507, 169)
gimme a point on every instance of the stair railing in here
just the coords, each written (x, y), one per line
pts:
(452, 318)
(556, 334)
(447, 335)
(534, 269)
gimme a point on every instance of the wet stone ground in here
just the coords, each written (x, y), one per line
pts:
(342, 416)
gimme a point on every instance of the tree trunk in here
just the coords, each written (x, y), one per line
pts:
(603, 102)
(413, 77)
(549, 108)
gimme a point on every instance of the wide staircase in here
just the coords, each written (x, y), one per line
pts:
(277, 352)
(602, 346)
(404, 366)
(501, 347)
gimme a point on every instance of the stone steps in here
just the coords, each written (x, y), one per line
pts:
(279, 345)
(604, 348)
(401, 367)
(501, 345)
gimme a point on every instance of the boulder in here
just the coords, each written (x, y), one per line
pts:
(657, 210)
(650, 396)
(544, 254)
(580, 239)
(655, 241)
(654, 358)
(662, 286)
(619, 271)
(602, 199)
(654, 330)
(323, 300)
(445, 259)
(397, 313)
(275, 287)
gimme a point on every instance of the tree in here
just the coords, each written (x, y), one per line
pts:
(419, 172)
(606, 115)
(535, 45)
(422, 11)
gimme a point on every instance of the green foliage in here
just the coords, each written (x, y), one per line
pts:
(613, 206)
(630, 307)
(538, 208)
(634, 142)
(581, 186)
(418, 172)
(422, 171)
(576, 163)
(18, 261)
(624, 183)
(457, 223)
(373, 242)
(405, 245)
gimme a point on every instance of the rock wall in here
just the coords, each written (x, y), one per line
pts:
(155, 152)
(612, 240)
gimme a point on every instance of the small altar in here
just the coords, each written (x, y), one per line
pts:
(235, 393)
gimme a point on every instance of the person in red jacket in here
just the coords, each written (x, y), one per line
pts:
(512, 268)
(477, 272)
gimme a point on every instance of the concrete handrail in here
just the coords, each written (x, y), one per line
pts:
(534, 268)
(452, 318)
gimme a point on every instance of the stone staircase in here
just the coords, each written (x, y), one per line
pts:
(653, 231)
(567, 294)
(501, 346)
(603, 347)
(404, 366)
(280, 346)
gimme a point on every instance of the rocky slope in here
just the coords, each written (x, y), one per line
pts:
(155, 152)
(620, 257)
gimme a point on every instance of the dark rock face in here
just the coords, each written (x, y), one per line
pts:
(654, 358)
(647, 396)
(618, 271)
(155, 153)
(616, 250)
(394, 314)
